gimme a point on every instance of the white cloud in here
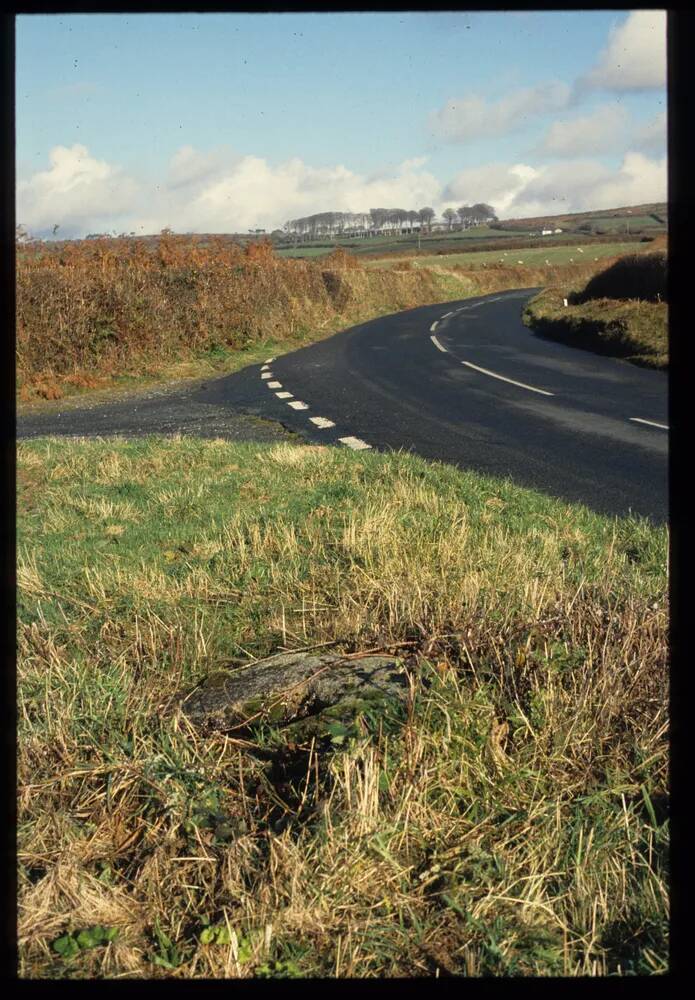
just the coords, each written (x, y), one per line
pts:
(474, 117)
(252, 193)
(601, 131)
(207, 193)
(635, 57)
(585, 185)
(520, 190)
(496, 184)
(75, 191)
(190, 167)
(652, 137)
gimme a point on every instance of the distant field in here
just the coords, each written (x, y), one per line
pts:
(603, 218)
(385, 244)
(532, 257)
(626, 223)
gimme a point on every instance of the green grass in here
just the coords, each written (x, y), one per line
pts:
(379, 243)
(631, 329)
(625, 223)
(532, 257)
(514, 825)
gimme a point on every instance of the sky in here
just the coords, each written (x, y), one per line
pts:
(230, 122)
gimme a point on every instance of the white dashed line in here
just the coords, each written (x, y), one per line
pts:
(502, 378)
(434, 326)
(265, 367)
(274, 385)
(284, 395)
(652, 423)
(298, 405)
(266, 374)
(437, 344)
(322, 422)
(446, 315)
(269, 360)
(355, 443)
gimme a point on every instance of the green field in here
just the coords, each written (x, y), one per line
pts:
(532, 257)
(514, 823)
(389, 244)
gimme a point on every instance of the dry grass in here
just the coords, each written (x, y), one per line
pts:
(632, 329)
(92, 312)
(514, 823)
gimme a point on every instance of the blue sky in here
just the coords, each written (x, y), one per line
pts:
(226, 121)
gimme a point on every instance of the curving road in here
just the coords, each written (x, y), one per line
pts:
(464, 382)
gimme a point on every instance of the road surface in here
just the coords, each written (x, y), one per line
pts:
(463, 382)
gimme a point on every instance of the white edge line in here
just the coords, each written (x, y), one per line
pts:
(434, 326)
(437, 344)
(356, 443)
(503, 378)
(652, 423)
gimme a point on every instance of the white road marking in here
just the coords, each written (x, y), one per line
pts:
(434, 326)
(284, 395)
(322, 422)
(266, 374)
(274, 385)
(355, 443)
(503, 378)
(297, 405)
(446, 315)
(265, 367)
(437, 344)
(652, 423)
(269, 360)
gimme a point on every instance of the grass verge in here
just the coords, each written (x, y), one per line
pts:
(515, 823)
(631, 329)
(110, 317)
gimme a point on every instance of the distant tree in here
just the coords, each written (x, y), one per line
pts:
(449, 214)
(464, 214)
(22, 234)
(426, 215)
(483, 211)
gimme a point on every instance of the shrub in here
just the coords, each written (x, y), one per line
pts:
(642, 276)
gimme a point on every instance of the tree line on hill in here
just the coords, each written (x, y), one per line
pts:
(380, 220)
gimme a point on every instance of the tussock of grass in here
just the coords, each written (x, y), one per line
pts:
(514, 825)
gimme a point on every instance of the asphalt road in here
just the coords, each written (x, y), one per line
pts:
(463, 382)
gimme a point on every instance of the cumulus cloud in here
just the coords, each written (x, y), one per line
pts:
(207, 192)
(602, 131)
(652, 137)
(190, 167)
(203, 192)
(74, 192)
(495, 184)
(474, 117)
(635, 57)
(520, 190)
